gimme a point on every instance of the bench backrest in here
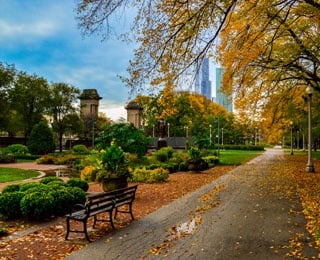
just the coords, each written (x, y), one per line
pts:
(108, 200)
(99, 202)
(124, 195)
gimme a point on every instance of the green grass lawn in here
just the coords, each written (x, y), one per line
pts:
(237, 157)
(11, 174)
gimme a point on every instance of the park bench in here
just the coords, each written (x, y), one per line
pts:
(105, 202)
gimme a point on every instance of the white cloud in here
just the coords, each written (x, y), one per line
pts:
(36, 29)
(113, 110)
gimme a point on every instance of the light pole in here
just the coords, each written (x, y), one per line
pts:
(168, 129)
(187, 128)
(222, 136)
(310, 166)
(291, 125)
(210, 135)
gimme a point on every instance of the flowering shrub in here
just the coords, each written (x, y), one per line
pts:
(150, 176)
(88, 173)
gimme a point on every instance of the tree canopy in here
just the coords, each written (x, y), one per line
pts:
(269, 48)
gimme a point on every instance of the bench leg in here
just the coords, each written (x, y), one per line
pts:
(85, 230)
(111, 219)
(130, 208)
(68, 228)
(77, 231)
(130, 211)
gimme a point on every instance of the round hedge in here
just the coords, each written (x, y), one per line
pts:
(10, 204)
(37, 205)
(77, 182)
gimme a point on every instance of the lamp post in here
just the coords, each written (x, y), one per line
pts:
(168, 129)
(310, 166)
(291, 125)
(222, 136)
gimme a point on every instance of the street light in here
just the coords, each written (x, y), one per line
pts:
(310, 166)
(291, 125)
(222, 136)
(168, 129)
(187, 128)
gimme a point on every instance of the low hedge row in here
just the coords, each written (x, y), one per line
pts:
(7, 158)
(42, 200)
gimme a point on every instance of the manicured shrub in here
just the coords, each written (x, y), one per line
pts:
(77, 182)
(41, 140)
(47, 159)
(63, 201)
(10, 204)
(11, 188)
(80, 149)
(171, 167)
(16, 149)
(150, 176)
(56, 185)
(7, 158)
(46, 180)
(211, 160)
(28, 185)
(183, 166)
(37, 205)
(158, 175)
(79, 195)
(88, 173)
(162, 155)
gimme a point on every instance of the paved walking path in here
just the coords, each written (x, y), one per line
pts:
(245, 214)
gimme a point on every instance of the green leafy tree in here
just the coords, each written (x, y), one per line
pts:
(127, 136)
(7, 76)
(29, 98)
(268, 47)
(41, 139)
(62, 109)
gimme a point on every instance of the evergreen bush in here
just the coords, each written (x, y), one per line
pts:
(10, 204)
(63, 200)
(11, 188)
(150, 176)
(37, 205)
(79, 195)
(77, 182)
(80, 149)
(7, 158)
(28, 185)
(49, 179)
(41, 139)
(16, 149)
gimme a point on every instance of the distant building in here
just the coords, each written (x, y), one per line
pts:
(89, 103)
(202, 82)
(221, 98)
(134, 113)
(89, 108)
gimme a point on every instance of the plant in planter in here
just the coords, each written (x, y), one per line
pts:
(114, 172)
(196, 163)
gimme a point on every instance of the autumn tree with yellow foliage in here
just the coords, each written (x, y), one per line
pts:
(269, 48)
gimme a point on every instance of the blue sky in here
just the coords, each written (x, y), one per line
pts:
(42, 37)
